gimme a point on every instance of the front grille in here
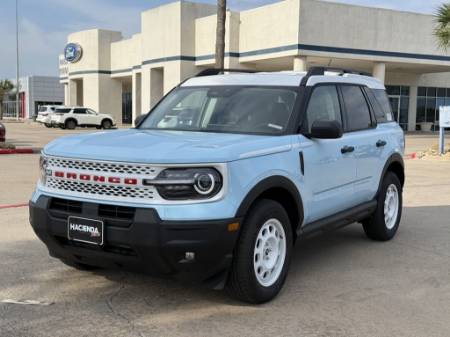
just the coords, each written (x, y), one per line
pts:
(107, 191)
(104, 167)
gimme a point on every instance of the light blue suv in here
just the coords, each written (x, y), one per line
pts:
(223, 176)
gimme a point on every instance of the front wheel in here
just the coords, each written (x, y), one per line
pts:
(384, 223)
(262, 254)
(106, 124)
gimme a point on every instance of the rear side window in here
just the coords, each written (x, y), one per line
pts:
(79, 111)
(62, 111)
(323, 106)
(357, 110)
(381, 105)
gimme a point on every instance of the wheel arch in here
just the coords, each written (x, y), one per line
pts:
(71, 119)
(280, 189)
(396, 165)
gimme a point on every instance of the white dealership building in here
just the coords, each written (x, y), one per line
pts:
(126, 77)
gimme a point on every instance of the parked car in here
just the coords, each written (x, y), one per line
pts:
(223, 176)
(71, 117)
(2, 133)
(45, 114)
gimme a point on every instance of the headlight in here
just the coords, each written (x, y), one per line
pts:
(43, 169)
(187, 183)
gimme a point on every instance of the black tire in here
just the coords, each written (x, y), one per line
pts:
(48, 125)
(106, 124)
(242, 283)
(70, 124)
(375, 227)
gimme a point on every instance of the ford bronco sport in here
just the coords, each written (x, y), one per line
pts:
(223, 176)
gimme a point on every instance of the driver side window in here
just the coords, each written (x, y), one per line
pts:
(323, 106)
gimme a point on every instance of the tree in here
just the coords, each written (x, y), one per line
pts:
(442, 29)
(5, 87)
(220, 33)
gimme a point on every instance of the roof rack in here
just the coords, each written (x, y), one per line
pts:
(217, 71)
(320, 71)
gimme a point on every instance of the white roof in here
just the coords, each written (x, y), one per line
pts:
(288, 79)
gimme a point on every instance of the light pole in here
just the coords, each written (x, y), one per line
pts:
(17, 59)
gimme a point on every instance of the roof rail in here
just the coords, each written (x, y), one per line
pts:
(320, 71)
(217, 71)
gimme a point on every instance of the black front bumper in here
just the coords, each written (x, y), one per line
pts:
(137, 239)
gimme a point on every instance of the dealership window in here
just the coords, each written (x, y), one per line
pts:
(429, 99)
(399, 99)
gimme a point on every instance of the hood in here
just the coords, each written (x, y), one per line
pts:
(166, 147)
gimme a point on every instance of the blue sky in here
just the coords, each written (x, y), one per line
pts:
(45, 24)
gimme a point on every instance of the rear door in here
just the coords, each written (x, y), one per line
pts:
(329, 172)
(361, 129)
(81, 115)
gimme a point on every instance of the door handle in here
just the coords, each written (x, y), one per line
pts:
(347, 149)
(381, 143)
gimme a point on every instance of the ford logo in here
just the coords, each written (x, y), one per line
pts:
(72, 52)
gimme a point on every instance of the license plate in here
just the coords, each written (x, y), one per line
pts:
(85, 230)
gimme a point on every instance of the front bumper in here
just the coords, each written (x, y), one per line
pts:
(137, 239)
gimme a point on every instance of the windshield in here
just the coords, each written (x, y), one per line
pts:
(234, 109)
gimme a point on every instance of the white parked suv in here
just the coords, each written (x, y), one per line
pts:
(71, 117)
(45, 114)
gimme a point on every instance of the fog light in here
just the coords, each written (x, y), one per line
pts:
(189, 256)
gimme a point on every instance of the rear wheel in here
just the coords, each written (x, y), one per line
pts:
(70, 124)
(262, 255)
(106, 124)
(384, 223)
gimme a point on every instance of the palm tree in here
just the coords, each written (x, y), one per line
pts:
(220, 33)
(442, 29)
(5, 87)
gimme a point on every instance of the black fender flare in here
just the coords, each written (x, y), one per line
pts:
(394, 158)
(267, 184)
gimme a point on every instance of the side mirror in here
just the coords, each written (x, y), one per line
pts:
(326, 130)
(139, 119)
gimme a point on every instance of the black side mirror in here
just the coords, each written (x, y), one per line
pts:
(326, 130)
(139, 119)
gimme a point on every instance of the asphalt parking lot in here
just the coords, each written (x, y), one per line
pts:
(340, 283)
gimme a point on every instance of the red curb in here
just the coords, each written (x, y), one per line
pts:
(17, 151)
(410, 156)
(13, 206)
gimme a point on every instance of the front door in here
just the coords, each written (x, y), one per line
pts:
(329, 172)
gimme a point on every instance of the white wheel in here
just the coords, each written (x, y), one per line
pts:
(269, 252)
(391, 203)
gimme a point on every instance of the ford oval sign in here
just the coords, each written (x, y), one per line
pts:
(72, 52)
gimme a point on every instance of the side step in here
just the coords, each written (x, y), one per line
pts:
(339, 220)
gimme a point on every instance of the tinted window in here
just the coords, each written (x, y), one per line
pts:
(323, 106)
(358, 115)
(62, 111)
(79, 111)
(381, 105)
